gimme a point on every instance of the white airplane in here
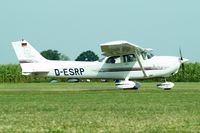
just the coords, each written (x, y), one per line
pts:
(123, 61)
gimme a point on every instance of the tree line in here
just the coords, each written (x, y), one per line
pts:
(11, 73)
(55, 55)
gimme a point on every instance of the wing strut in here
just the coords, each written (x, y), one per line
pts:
(141, 66)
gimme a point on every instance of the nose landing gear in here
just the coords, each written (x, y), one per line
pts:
(165, 85)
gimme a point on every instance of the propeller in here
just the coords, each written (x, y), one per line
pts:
(182, 60)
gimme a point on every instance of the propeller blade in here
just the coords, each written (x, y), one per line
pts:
(180, 52)
(182, 64)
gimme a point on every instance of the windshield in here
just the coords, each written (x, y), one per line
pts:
(147, 55)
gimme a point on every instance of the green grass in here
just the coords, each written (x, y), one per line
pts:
(98, 107)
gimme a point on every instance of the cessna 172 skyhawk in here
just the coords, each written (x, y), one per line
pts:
(123, 61)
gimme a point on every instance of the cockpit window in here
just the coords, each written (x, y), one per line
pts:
(113, 60)
(147, 55)
(129, 58)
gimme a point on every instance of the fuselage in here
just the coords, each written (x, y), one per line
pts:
(157, 66)
(123, 61)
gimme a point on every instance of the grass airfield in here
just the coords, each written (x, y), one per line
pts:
(98, 107)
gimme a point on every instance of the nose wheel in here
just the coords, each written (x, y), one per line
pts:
(165, 85)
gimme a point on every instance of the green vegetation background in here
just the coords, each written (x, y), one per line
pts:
(11, 73)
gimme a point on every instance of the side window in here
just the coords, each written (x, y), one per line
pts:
(113, 60)
(129, 58)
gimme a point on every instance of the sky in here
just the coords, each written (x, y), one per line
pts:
(74, 26)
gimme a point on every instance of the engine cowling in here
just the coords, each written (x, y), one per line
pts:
(122, 84)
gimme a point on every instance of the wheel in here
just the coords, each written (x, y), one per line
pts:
(135, 88)
(167, 88)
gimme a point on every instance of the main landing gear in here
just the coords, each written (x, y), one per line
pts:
(126, 84)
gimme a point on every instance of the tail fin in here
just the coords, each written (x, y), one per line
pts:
(31, 61)
(26, 53)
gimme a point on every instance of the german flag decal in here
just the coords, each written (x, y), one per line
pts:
(24, 44)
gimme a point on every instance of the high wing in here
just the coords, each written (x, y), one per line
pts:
(118, 48)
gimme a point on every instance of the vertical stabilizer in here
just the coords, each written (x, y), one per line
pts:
(26, 53)
(31, 61)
